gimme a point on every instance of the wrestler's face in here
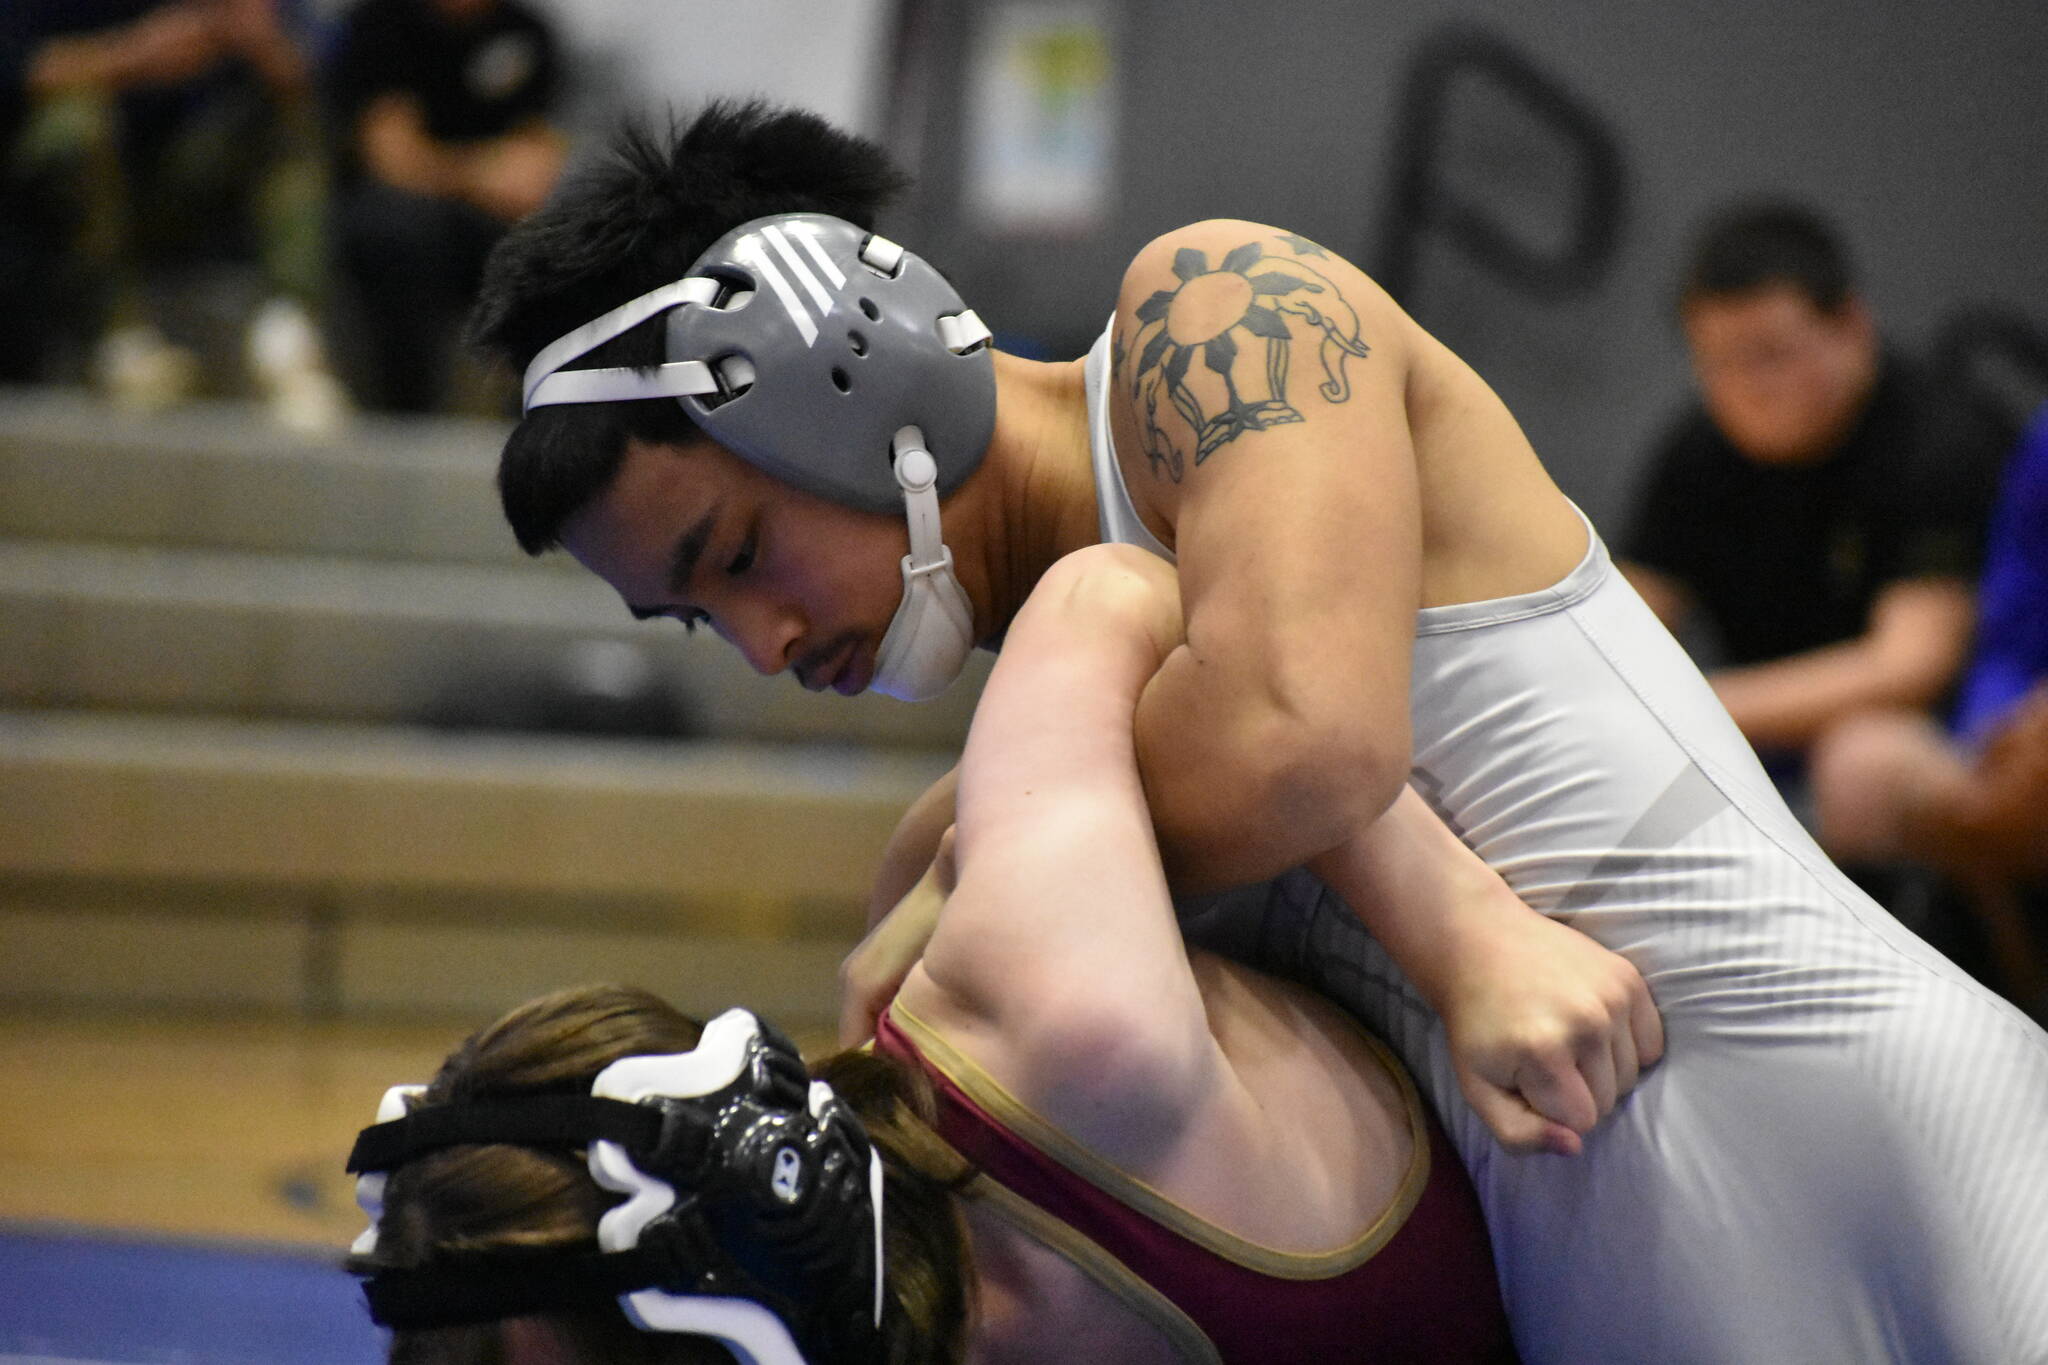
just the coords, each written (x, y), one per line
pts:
(790, 580)
(1782, 379)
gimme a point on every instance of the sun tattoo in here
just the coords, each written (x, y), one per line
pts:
(1223, 313)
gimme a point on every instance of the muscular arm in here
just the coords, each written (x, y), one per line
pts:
(1057, 960)
(1919, 631)
(1265, 380)
(507, 176)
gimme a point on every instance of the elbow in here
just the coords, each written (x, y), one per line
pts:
(1328, 778)
(1140, 1060)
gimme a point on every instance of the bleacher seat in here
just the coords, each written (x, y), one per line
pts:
(256, 746)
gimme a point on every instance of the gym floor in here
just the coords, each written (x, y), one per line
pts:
(208, 1129)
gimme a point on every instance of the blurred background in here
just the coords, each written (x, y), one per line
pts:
(305, 770)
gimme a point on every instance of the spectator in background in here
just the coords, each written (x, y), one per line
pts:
(1823, 505)
(141, 135)
(442, 115)
(1970, 802)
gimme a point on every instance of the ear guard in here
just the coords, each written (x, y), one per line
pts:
(804, 344)
(752, 1211)
(823, 355)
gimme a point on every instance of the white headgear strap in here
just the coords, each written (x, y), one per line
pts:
(932, 633)
(548, 383)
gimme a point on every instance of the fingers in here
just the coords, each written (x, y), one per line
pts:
(1599, 1069)
(1554, 1087)
(1514, 1124)
(856, 1020)
(868, 981)
(1646, 1026)
(1621, 1059)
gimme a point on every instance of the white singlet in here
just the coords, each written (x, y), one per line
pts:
(1842, 1158)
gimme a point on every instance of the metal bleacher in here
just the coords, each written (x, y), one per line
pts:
(268, 740)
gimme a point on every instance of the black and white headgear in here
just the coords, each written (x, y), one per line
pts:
(752, 1211)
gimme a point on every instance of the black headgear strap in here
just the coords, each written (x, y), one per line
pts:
(566, 1120)
(455, 1291)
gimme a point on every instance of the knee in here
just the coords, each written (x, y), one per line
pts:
(1870, 774)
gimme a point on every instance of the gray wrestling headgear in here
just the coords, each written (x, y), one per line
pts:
(841, 364)
(752, 1210)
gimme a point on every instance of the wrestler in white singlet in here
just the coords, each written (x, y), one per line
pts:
(1842, 1158)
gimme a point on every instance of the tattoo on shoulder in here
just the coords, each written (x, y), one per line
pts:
(1255, 294)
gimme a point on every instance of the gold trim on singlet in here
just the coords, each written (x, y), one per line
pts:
(1099, 1265)
(1127, 1189)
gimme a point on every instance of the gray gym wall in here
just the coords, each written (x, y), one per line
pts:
(1919, 127)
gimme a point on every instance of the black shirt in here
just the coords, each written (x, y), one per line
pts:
(474, 79)
(1787, 558)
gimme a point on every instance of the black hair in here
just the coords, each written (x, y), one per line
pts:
(1754, 245)
(634, 222)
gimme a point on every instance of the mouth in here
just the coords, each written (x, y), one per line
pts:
(840, 670)
(853, 675)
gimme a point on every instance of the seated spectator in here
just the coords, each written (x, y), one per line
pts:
(441, 111)
(141, 136)
(1822, 506)
(1971, 802)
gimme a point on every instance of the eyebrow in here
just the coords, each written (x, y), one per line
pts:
(682, 564)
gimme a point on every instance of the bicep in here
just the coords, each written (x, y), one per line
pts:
(1265, 381)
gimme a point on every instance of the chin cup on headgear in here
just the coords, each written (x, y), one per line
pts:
(806, 346)
(928, 642)
(752, 1209)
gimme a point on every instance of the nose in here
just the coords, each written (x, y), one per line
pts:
(765, 633)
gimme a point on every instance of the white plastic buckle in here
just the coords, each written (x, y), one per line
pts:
(370, 1184)
(881, 255)
(963, 332)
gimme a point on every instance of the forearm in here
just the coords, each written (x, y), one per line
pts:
(1423, 893)
(1918, 632)
(391, 137)
(911, 848)
(172, 43)
(1240, 789)
(1786, 703)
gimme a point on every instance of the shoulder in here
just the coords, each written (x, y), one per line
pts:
(1691, 462)
(1950, 438)
(1227, 327)
(1238, 258)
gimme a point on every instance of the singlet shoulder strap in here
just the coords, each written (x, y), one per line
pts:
(1116, 516)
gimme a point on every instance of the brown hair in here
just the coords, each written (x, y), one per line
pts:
(473, 1199)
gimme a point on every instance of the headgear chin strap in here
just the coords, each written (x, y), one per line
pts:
(752, 1211)
(932, 633)
(808, 347)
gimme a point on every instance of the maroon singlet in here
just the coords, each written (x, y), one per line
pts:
(1427, 1294)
